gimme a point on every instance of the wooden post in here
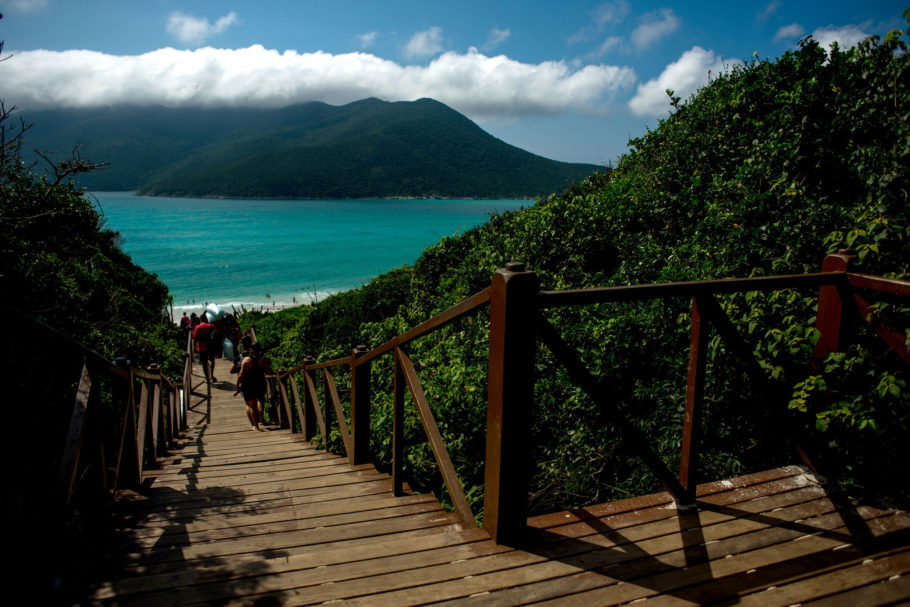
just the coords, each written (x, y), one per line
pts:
(179, 396)
(285, 400)
(309, 407)
(695, 389)
(513, 345)
(360, 408)
(398, 384)
(174, 396)
(157, 424)
(830, 319)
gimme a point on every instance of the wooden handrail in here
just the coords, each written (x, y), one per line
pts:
(157, 390)
(879, 283)
(463, 307)
(466, 306)
(706, 313)
(574, 297)
(324, 365)
(356, 438)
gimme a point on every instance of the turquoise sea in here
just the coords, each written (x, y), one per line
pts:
(279, 252)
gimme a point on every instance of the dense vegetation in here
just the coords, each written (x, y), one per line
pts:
(767, 169)
(61, 268)
(366, 149)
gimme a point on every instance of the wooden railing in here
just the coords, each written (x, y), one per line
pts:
(516, 326)
(356, 438)
(151, 408)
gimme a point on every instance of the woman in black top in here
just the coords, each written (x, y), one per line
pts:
(251, 382)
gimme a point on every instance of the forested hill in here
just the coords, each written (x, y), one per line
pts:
(365, 149)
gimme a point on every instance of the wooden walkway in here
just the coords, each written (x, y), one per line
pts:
(236, 517)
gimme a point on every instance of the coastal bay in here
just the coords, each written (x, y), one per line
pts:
(275, 253)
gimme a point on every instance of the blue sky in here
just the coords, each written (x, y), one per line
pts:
(571, 80)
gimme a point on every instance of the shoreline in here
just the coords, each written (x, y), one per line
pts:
(236, 308)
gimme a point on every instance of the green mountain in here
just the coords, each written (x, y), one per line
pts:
(365, 149)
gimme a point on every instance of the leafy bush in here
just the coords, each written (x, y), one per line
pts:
(60, 266)
(764, 171)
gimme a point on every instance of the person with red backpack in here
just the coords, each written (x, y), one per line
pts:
(204, 336)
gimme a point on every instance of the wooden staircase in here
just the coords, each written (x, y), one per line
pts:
(237, 517)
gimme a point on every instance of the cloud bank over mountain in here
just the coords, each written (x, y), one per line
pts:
(481, 86)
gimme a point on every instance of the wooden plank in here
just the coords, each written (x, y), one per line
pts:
(168, 496)
(273, 544)
(633, 577)
(252, 526)
(860, 572)
(316, 513)
(558, 564)
(406, 579)
(656, 522)
(756, 485)
(331, 393)
(201, 507)
(302, 507)
(69, 462)
(319, 566)
(252, 480)
(893, 591)
(182, 466)
(303, 462)
(440, 453)
(808, 550)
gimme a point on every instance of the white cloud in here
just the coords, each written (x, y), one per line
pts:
(683, 76)
(27, 6)
(611, 12)
(790, 32)
(846, 37)
(497, 37)
(196, 30)
(424, 44)
(608, 45)
(367, 40)
(654, 26)
(769, 10)
(605, 14)
(475, 84)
